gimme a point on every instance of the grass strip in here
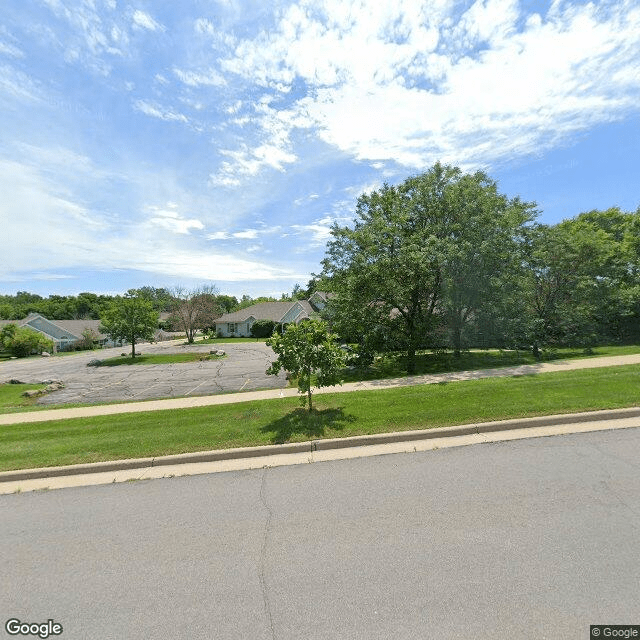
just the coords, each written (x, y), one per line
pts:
(199, 341)
(11, 396)
(159, 358)
(63, 442)
(395, 365)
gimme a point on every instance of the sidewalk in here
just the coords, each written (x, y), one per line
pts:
(232, 398)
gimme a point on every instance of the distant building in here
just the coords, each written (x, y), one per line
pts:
(62, 332)
(238, 324)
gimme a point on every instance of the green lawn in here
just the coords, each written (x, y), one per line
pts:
(159, 358)
(11, 397)
(225, 340)
(160, 433)
(394, 365)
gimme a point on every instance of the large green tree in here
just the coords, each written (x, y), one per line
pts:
(307, 351)
(423, 259)
(130, 319)
(582, 284)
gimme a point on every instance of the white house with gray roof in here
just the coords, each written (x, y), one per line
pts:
(238, 324)
(62, 332)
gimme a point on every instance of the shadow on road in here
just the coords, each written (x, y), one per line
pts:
(310, 424)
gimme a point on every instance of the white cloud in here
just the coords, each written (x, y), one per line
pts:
(10, 50)
(156, 111)
(219, 235)
(203, 25)
(168, 218)
(248, 234)
(414, 82)
(145, 21)
(247, 162)
(210, 77)
(319, 231)
(224, 178)
(18, 85)
(59, 233)
(93, 39)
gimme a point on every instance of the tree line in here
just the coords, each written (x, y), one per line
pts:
(92, 306)
(445, 261)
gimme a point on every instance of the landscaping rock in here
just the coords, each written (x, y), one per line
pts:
(94, 363)
(45, 354)
(33, 393)
(219, 352)
(54, 386)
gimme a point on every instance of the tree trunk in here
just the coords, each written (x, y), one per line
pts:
(536, 351)
(457, 342)
(411, 360)
(133, 347)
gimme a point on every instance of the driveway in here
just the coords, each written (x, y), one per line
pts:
(242, 369)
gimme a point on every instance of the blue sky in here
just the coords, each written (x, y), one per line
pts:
(162, 143)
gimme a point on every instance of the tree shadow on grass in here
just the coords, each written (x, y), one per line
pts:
(312, 424)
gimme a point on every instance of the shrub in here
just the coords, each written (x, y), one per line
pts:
(263, 328)
(23, 341)
(360, 356)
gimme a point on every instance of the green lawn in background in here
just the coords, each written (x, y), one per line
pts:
(427, 362)
(158, 433)
(159, 358)
(11, 397)
(223, 341)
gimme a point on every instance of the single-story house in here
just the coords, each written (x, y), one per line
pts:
(238, 324)
(62, 332)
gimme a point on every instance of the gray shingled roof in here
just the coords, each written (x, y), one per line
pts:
(262, 311)
(75, 327)
(78, 326)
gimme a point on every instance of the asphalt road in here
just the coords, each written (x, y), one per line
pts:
(243, 369)
(526, 539)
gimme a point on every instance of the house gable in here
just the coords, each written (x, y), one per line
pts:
(50, 329)
(318, 300)
(292, 314)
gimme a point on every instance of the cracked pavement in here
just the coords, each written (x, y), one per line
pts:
(242, 369)
(522, 539)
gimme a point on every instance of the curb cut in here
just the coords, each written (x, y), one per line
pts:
(320, 445)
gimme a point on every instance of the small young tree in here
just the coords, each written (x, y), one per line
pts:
(88, 340)
(130, 319)
(305, 350)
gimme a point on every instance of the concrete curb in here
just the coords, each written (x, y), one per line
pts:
(320, 445)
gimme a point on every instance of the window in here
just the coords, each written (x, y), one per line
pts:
(231, 327)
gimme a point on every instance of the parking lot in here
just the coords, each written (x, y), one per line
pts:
(242, 369)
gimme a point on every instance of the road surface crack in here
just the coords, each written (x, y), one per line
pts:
(609, 482)
(263, 556)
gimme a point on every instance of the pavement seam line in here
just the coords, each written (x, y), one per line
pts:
(263, 554)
